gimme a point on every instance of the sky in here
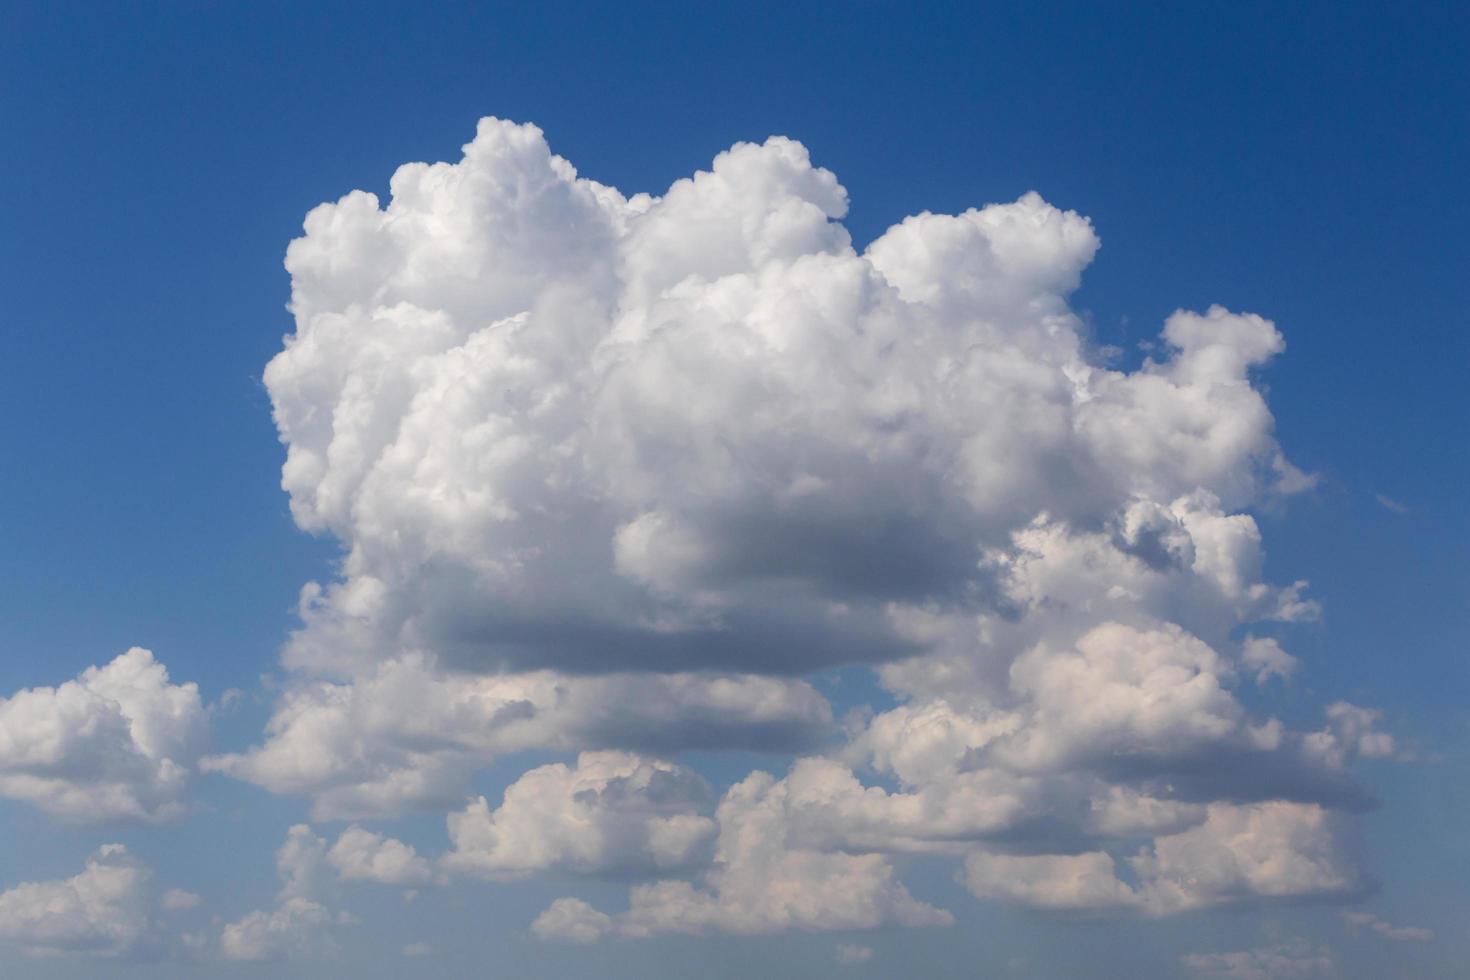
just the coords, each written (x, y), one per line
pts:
(793, 489)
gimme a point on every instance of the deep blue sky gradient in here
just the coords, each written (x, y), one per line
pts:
(1308, 163)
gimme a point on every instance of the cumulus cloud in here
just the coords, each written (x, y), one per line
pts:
(361, 855)
(117, 742)
(294, 927)
(556, 426)
(409, 736)
(102, 911)
(300, 922)
(1269, 851)
(761, 880)
(571, 920)
(610, 812)
(611, 473)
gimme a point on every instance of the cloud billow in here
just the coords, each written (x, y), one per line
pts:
(612, 473)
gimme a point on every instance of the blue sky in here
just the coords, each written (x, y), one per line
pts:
(1305, 165)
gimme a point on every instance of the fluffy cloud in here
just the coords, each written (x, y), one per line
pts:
(555, 426)
(361, 855)
(761, 880)
(119, 741)
(1274, 851)
(571, 920)
(103, 911)
(408, 735)
(1057, 882)
(300, 923)
(611, 473)
(611, 812)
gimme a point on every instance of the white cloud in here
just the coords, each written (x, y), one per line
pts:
(611, 812)
(361, 855)
(849, 953)
(408, 735)
(1273, 850)
(119, 741)
(571, 920)
(300, 923)
(179, 900)
(294, 927)
(555, 426)
(1238, 854)
(1057, 882)
(1294, 959)
(1123, 692)
(611, 473)
(1388, 503)
(1367, 920)
(761, 881)
(1265, 656)
(102, 911)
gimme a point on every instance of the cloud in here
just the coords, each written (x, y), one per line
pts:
(848, 953)
(1367, 920)
(1388, 503)
(361, 855)
(559, 427)
(1295, 959)
(760, 881)
(409, 736)
(612, 473)
(179, 900)
(571, 920)
(611, 812)
(102, 911)
(300, 923)
(1057, 882)
(1275, 850)
(1238, 854)
(1265, 656)
(294, 927)
(118, 742)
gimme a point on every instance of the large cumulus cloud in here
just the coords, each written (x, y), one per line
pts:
(611, 473)
(552, 426)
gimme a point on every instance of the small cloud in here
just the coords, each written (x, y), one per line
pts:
(417, 949)
(230, 699)
(1367, 920)
(177, 900)
(1391, 504)
(1293, 959)
(850, 953)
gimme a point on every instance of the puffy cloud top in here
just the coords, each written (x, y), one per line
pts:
(556, 426)
(611, 812)
(612, 472)
(119, 741)
(102, 911)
